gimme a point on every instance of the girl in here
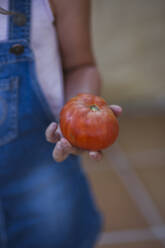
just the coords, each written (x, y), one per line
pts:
(45, 202)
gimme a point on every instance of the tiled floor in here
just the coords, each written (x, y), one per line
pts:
(129, 184)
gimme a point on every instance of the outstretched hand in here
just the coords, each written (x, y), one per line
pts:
(63, 147)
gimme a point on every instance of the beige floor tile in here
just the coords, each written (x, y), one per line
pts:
(120, 212)
(142, 133)
(154, 181)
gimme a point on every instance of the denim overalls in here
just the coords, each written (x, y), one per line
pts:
(44, 203)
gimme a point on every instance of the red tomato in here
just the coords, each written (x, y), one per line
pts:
(87, 122)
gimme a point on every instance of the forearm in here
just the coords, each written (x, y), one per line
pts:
(85, 79)
(73, 28)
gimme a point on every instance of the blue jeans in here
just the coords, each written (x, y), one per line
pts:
(44, 203)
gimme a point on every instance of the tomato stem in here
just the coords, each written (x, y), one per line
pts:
(94, 107)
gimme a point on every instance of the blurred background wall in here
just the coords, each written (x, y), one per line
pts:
(129, 183)
(129, 43)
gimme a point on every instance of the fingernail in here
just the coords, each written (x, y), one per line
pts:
(118, 108)
(54, 124)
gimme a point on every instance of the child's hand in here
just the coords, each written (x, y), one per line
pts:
(63, 148)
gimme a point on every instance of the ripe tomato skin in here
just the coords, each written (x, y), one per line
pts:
(87, 122)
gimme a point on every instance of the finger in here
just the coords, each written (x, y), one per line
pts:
(68, 148)
(117, 110)
(96, 155)
(62, 150)
(51, 133)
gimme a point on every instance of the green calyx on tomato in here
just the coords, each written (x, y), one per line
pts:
(94, 108)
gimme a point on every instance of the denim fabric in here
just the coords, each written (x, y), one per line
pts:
(44, 203)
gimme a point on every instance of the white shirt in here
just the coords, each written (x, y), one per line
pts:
(44, 44)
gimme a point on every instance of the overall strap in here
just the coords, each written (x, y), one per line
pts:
(19, 21)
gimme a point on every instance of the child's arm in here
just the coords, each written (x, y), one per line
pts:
(73, 28)
(80, 70)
